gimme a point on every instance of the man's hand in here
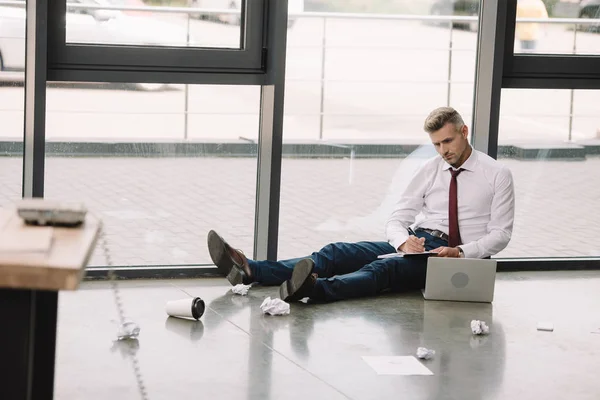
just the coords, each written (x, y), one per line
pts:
(447, 252)
(413, 245)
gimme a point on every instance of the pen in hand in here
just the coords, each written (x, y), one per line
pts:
(414, 244)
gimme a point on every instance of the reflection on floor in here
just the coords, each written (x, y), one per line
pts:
(316, 352)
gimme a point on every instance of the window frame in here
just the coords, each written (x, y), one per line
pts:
(126, 63)
(545, 71)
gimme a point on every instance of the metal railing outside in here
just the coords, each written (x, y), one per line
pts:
(450, 20)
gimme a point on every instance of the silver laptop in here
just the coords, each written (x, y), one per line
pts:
(460, 279)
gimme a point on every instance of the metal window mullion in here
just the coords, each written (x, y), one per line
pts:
(488, 75)
(195, 78)
(34, 137)
(270, 143)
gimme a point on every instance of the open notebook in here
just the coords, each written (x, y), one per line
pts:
(425, 254)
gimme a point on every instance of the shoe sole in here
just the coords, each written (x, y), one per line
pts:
(217, 248)
(300, 273)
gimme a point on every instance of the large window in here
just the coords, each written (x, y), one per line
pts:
(557, 27)
(129, 22)
(11, 168)
(549, 117)
(160, 175)
(12, 52)
(139, 43)
(549, 139)
(375, 78)
(361, 87)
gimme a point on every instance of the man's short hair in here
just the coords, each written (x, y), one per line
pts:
(440, 117)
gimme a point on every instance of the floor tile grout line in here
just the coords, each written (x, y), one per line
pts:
(283, 355)
(180, 288)
(307, 371)
(269, 347)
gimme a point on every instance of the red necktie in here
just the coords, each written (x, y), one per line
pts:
(453, 232)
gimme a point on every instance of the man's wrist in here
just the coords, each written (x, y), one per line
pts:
(461, 253)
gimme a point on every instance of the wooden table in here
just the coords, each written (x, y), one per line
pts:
(35, 263)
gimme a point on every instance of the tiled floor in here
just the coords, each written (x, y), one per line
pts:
(237, 352)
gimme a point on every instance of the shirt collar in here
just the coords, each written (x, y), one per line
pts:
(468, 165)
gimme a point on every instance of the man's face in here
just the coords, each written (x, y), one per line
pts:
(451, 143)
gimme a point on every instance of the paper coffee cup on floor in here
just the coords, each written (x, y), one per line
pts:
(186, 308)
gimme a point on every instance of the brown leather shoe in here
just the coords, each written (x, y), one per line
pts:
(232, 263)
(302, 282)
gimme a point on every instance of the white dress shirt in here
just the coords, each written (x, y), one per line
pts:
(485, 197)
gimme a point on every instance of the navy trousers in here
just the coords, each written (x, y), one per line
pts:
(349, 270)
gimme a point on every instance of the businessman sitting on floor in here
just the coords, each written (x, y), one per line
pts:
(459, 204)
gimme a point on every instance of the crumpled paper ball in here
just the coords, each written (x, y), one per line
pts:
(425, 354)
(479, 327)
(241, 289)
(275, 307)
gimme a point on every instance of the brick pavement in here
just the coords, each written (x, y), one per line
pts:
(157, 211)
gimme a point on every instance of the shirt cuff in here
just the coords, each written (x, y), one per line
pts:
(397, 241)
(470, 250)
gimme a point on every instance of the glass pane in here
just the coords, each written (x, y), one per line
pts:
(550, 139)
(176, 23)
(357, 92)
(159, 168)
(12, 54)
(558, 27)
